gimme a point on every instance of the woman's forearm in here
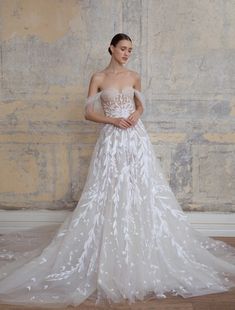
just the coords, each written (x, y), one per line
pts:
(140, 109)
(92, 116)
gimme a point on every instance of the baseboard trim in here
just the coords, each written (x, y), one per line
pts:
(209, 223)
(217, 224)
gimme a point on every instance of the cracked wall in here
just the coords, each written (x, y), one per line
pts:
(185, 53)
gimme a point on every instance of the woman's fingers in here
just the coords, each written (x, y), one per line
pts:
(125, 123)
(133, 118)
(129, 122)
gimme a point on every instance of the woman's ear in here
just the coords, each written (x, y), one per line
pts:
(111, 47)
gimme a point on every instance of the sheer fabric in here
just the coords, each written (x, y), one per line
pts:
(127, 239)
(94, 103)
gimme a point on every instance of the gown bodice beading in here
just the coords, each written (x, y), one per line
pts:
(118, 104)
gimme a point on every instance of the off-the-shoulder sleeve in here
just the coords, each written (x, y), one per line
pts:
(93, 103)
(141, 98)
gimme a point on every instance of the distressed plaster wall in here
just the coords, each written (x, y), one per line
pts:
(185, 53)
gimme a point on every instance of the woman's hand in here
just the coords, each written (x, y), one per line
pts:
(126, 122)
(133, 117)
(121, 122)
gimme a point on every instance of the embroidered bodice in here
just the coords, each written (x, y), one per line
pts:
(118, 103)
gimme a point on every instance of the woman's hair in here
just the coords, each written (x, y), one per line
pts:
(118, 37)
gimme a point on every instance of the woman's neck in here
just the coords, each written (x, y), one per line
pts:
(115, 67)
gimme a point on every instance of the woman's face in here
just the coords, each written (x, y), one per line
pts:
(122, 51)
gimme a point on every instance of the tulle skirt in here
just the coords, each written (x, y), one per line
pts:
(126, 240)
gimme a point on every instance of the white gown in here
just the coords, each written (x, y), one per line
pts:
(127, 238)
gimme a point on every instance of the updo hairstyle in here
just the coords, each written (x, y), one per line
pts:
(118, 37)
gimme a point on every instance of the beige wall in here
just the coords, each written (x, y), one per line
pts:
(185, 52)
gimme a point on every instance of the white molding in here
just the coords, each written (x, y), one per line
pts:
(23, 219)
(217, 224)
(209, 223)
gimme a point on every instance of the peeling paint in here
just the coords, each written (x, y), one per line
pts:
(48, 20)
(220, 138)
(185, 56)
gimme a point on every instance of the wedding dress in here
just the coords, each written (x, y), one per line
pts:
(127, 238)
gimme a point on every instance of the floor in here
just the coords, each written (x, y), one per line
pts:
(221, 301)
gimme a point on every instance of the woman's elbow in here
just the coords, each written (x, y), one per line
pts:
(140, 108)
(86, 116)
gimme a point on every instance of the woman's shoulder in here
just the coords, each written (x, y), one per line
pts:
(96, 79)
(97, 75)
(135, 75)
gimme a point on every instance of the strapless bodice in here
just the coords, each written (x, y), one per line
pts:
(117, 103)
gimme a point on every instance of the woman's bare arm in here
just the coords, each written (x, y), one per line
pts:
(133, 117)
(89, 113)
(138, 104)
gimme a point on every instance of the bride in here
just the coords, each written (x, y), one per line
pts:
(128, 238)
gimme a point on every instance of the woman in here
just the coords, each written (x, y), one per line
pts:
(117, 78)
(128, 238)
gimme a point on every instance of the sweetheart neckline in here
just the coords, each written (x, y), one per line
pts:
(113, 88)
(119, 91)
